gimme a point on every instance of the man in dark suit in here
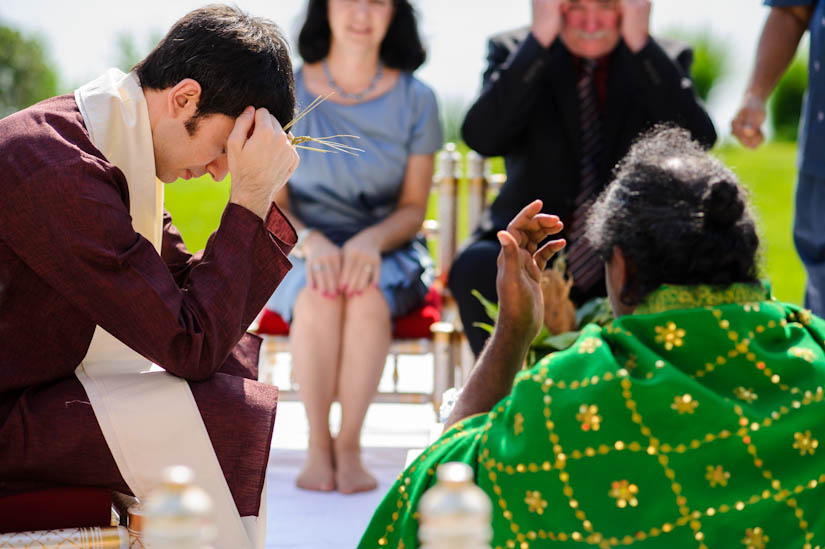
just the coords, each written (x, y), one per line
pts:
(562, 101)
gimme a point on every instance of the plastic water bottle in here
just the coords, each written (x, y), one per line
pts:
(455, 513)
(178, 514)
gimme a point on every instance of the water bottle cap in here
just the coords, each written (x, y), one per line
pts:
(454, 472)
(177, 496)
(178, 474)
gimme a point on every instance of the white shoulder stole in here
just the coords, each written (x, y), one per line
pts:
(149, 418)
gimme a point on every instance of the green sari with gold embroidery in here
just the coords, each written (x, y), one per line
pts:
(694, 422)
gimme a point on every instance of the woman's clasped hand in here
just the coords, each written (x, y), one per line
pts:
(342, 271)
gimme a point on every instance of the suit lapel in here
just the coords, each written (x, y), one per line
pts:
(619, 90)
(564, 90)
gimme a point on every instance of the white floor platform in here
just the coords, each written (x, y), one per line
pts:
(302, 519)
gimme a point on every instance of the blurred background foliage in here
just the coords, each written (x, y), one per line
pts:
(27, 75)
(129, 49)
(785, 104)
(710, 60)
(452, 111)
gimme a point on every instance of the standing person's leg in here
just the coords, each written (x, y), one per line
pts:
(366, 341)
(809, 238)
(475, 269)
(315, 344)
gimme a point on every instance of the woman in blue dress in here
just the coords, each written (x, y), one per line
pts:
(358, 262)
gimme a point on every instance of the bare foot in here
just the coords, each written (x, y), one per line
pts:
(319, 472)
(350, 475)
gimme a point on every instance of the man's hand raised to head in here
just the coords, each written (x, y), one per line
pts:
(547, 20)
(635, 23)
(261, 160)
(520, 264)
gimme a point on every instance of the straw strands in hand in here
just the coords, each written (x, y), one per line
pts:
(333, 146)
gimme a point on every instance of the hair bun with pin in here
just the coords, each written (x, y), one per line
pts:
(722, 204)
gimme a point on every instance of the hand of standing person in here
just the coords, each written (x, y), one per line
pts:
(747, 124)
(261, 158)
(547, 20)
(635, 23)
(775, 50)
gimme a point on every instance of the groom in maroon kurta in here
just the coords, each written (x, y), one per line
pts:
(70, 260)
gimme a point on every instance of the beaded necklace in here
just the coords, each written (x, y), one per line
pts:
(356, 96)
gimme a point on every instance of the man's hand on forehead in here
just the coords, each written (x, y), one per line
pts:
(635, 23)
(261, 158)
(275, 123)
(546, 20)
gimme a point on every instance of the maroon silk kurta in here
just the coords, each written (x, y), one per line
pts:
(70, 260)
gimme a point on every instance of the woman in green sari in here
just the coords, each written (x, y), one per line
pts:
(692, 420)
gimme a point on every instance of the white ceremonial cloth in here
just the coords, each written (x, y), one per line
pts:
(149, 418)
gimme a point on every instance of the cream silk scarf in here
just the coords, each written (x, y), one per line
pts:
(149, 418)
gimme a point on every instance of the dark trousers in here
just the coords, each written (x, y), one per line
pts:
(809, 238)
(474, 269)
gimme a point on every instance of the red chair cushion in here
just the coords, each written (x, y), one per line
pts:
(69, 507)
(414, 325)
(271, 323)
(417, 323)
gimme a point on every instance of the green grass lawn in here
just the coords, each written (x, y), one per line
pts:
(769, 173)
(196, 206)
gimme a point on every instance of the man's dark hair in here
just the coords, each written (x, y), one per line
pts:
(678, 214)
(401, 48)
(238, 60)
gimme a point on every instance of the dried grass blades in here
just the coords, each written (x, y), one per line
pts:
(333, 146)
(327, 142)
(317, 101)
